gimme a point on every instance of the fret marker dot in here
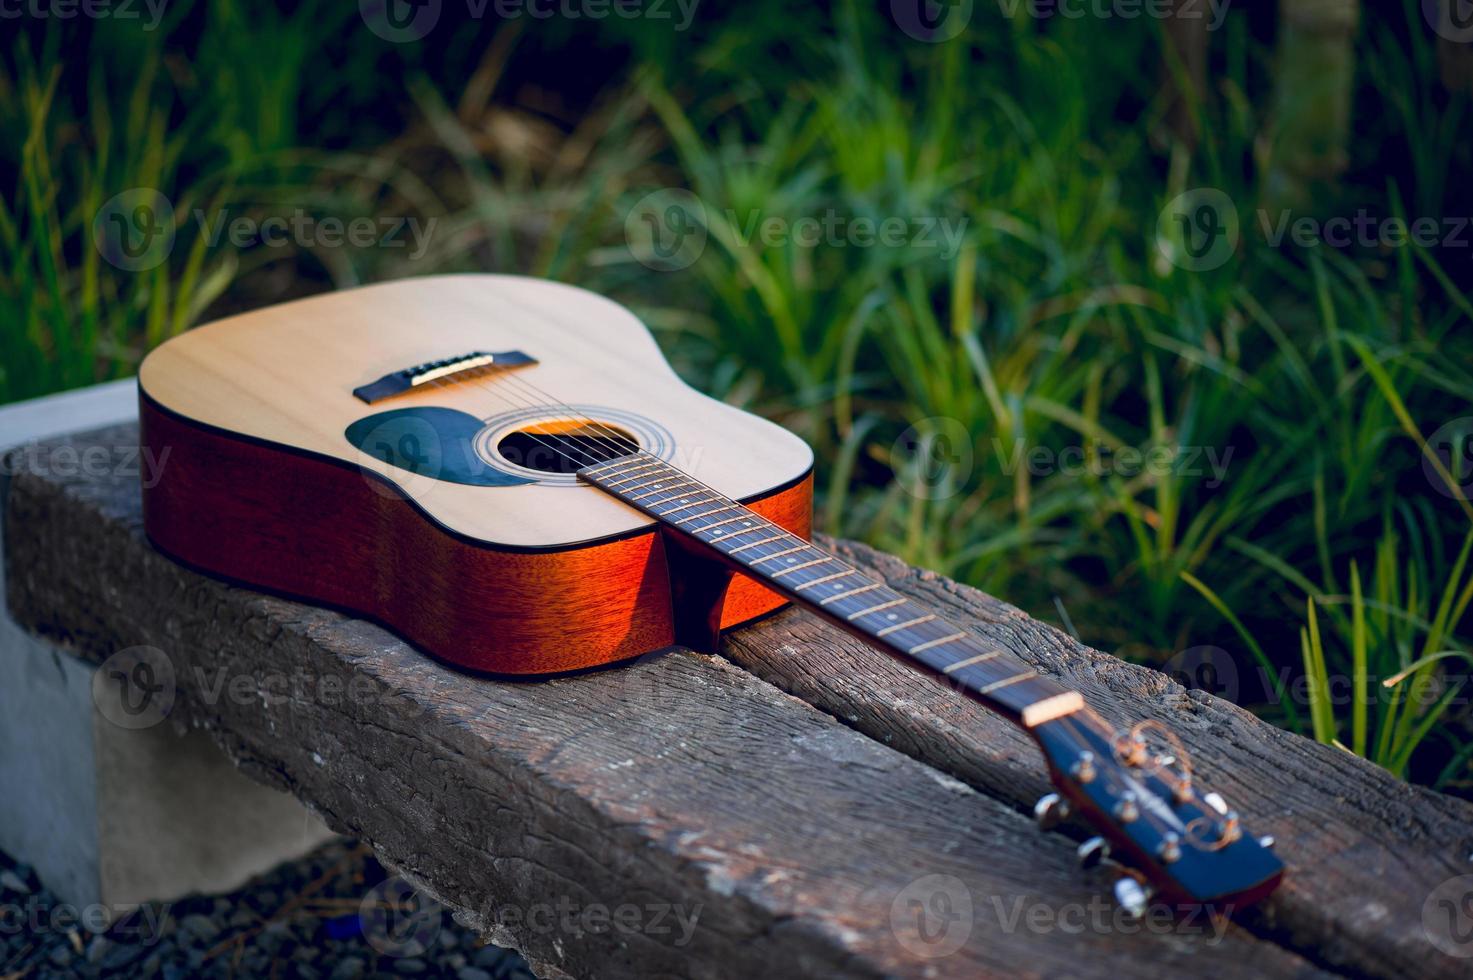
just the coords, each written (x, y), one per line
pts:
(892, 616)
(838, 585)
(791, 560)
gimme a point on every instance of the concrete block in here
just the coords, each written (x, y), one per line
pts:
(113, 808)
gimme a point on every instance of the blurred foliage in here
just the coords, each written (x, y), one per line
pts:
(1299, 520)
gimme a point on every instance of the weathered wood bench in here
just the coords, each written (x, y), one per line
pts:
(794, 795)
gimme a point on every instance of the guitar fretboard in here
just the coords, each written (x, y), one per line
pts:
(835, 589)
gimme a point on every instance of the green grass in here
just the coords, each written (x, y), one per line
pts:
(1326, 553)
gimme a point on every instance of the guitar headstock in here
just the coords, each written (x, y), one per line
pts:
(1136, 787)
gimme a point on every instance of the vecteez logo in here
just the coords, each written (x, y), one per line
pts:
(1198, 230)
(1451, 19)
(1447, 917)
(135, 229)
(399, 920)
(932, 916)
(135, 688)
(400, 21)
(666, 230)
(406, 21)
(1449, 468)
(121, 10)
(932, 21)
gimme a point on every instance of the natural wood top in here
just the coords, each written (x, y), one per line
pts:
(286, 375)
(796, 823)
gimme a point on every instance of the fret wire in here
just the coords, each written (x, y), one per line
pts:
(745, 515)
(882, 606)
(775, 537)
(704, 513)
(936, 642)
(737, 511)
(727, 543)
(844, 595)
(806, 564)
(656, 488)
(778, 554)
(721, 505)
(619, 461)
(1025, 675)
(826, 578)
(624, 485)
(683, 506)
(644, 485)
(906, 625)
(979, 658)
(626, 474)
(607, 466)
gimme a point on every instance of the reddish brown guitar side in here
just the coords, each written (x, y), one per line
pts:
(327, 532)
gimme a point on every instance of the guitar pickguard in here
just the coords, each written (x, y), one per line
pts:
(428, 441)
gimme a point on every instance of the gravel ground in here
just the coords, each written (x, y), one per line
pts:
(333, 915)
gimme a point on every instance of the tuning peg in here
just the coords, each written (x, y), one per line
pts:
(1231, 828)
(1216, 801)
(1169, 849)
(1266, 841)
(1132, 897)
(1051, 810)
(1092, 852)
(1084, 767)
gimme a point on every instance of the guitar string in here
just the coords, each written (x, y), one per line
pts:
(542, 399)
(522, 404)
(617, 437)
(1079, 738)
(545, 400)
(676, 494)
(510, 374)
(609, 432)
(1156, 823)
(548, 401)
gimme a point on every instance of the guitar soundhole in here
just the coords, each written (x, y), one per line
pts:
(564, 447)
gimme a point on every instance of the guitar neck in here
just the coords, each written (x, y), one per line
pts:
(835, 590)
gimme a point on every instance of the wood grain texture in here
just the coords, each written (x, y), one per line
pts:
(1364, 850)
(681, 780)
(327, 532)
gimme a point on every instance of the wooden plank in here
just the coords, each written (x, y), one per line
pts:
(1365, 851)
(682, 781)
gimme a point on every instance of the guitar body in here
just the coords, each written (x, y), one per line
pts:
(445, 511)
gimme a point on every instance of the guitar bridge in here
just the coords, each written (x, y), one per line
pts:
(465, 365)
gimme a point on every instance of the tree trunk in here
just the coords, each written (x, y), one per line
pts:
(1185, 68)
(1306, 146)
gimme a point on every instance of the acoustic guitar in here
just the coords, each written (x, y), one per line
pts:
(507, 472)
